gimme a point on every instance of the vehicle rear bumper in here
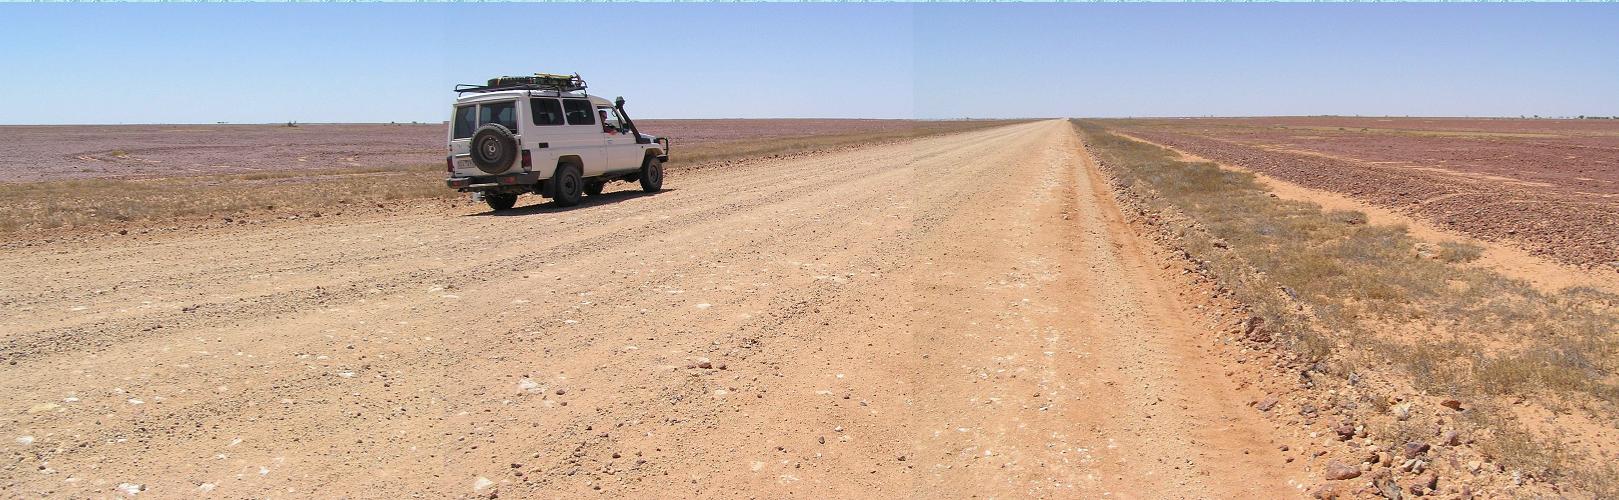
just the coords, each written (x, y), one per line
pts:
(502, 182)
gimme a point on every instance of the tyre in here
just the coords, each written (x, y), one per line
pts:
(493, 148)
(652, 175)
(500, 201)
(594, 188)
(566, 186)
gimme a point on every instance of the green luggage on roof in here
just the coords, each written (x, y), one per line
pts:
(565, 83)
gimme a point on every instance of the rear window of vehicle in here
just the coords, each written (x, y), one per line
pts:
(504, 113)
(579, 112)
(464, 121)
(546, 111)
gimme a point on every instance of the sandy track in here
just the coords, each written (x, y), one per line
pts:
(950, 316)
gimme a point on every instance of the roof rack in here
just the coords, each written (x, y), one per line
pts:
(539, 81)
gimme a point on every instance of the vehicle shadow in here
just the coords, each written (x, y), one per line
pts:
(544, 206)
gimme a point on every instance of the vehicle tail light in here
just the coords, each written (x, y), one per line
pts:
(527, 162)
(449, 164)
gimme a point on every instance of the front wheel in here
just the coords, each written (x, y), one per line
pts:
(568, 186)
(500, 201)
(652, 175)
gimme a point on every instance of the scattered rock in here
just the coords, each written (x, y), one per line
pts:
(1402, 411)
(1266, 404)
(1452, 438)
(1337, 471)
(1414, 449)
(1254, 329)
(1452, 404)
(528, 385)
(481, 483)
(131, 489)
(1345, 432)
(1308, 410)
(1327, 492)
(1425, 483)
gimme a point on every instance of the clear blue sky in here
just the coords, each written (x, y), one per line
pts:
(242, 63)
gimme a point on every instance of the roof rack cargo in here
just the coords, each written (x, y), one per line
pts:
(539, 81)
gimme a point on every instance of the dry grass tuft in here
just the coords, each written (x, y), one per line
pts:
(1457, 252)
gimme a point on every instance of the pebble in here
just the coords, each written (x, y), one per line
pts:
(527, 385)
(481, 483)
(1427, 482)
(131, 488)
(1267, 404)
(1337, 471)
(25, 440)
(1414, 448)
(1453, 438)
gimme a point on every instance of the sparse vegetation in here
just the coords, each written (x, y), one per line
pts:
(1363, 296)
(1458, 252)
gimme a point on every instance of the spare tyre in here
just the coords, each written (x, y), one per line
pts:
(493, 148)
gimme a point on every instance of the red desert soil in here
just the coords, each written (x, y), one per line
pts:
(37, 153)
(871, 322)
(1551, 186)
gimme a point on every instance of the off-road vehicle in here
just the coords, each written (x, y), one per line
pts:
(544, 134)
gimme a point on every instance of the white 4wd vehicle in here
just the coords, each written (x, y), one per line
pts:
(543, 134)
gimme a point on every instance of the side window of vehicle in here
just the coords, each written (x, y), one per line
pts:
(612, 117)
(464, 121)
(546, 111)
(579, 112)
(504, 113)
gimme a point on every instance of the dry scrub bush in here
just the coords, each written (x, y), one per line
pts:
(1454, 330)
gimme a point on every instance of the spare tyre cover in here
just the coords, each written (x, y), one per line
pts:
(493, 148)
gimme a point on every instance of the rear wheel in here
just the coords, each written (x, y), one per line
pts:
(652, 175)
(567, 186)
(500, 201)
(594, 188)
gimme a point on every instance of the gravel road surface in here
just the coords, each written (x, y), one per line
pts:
(952, 316)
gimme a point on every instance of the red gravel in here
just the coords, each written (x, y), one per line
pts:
(37, 153)
(1550, 185)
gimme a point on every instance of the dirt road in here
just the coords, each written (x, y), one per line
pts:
(953, 316)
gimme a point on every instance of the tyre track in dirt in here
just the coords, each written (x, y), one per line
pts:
(817, 325)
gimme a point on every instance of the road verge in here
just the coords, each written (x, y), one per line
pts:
(1407, 371)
